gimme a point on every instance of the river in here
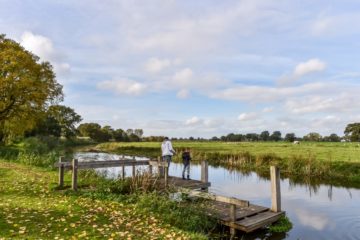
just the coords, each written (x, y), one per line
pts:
(317, 212)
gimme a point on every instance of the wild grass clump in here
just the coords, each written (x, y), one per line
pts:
(283, 225)
(188, 216)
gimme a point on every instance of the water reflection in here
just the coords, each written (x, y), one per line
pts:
(317, 211)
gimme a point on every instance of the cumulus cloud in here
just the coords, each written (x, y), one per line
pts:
(123, 86)
(183, 93)
(193, 121)
(156, 65)
(302, 69)
(248, 116)
(44, 48)
(183, 77)
(265, 94)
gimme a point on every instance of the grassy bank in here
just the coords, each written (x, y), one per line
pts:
(30, 208)
(335, 163)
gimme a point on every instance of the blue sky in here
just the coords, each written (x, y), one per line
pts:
(199, 68)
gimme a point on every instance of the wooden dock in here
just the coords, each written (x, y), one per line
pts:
(232, 212)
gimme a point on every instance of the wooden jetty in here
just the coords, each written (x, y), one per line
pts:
(232, 212)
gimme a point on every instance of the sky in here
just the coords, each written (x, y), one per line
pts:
(202, 68)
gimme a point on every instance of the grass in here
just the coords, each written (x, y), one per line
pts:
(30, 208)
(333, 163)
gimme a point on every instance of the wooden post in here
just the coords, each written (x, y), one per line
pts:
(123, 171)
(133, 169)
(61, 172)
(160, 169)
(166, 174)
(232, 219)
(150, 169)
(275, 189)
(74, 174)
(204, 171)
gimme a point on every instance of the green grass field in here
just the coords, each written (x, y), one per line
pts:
(325, 151)
(332, 163)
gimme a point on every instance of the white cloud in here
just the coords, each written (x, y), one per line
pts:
(183, 77)
(248, 116)
(183, 93)
(310, 219)
(268, 110)
(302, 69)
(43, 47)
(156, 65)
(123, 86)
(193, 121)
(266, 94)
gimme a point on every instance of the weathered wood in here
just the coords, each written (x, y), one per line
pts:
(133, 168)
(150, 169)
(218, 198)
(158, 164)
(166, 175)
(204, 171)
(74, 174)
(160, 168)
(275, 189)
(232, 218)
(61, 171)
(103, 164)
(257, 221)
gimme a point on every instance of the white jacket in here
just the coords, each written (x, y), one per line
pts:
(166, 148)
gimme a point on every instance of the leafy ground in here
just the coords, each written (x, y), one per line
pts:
(31, 209)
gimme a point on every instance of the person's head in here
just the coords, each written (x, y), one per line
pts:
(166, 139)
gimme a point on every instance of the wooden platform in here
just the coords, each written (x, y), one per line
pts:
(247, 219)
(233, 212)
(178, 182)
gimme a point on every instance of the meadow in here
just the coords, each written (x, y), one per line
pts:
(330, 162)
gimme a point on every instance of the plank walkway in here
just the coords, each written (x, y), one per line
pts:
(232, 212)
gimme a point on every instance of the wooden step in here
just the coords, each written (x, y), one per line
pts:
(249, 224)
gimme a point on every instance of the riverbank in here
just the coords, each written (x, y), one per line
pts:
(32, 208)
(311, 162)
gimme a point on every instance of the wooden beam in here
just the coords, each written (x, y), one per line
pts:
(133, 168)
(158, 164)
(61, 172)
(74, 174)
(103, 164)
(275, 189)
(232, 219)
(218, 198)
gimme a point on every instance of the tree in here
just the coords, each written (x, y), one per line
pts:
(67, 119)
(88, 129)
(276, 136)
(265, 136)
(290, 137)
(352, 132)
(138, 132)
(313, 137)
(332, 138)
(27, 88)
(120, 135)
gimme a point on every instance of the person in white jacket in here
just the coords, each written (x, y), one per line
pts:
(167, 150)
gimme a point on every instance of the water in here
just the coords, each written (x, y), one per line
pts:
(317, 212)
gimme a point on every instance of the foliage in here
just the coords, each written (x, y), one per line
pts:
(290, 137)
(352, 132)
(275, 136)
(281, 226)
(313, 137)
(27, 88)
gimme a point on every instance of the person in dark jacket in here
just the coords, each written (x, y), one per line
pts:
(186, 161)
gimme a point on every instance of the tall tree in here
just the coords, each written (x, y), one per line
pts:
(313, 136)
(352, 132)
(27, 88)
(265, 136)
(290, 137)
(276, 136)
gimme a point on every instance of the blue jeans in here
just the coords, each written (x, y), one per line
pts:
(168, 159)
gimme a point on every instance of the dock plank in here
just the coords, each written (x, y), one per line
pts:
(257, 221)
